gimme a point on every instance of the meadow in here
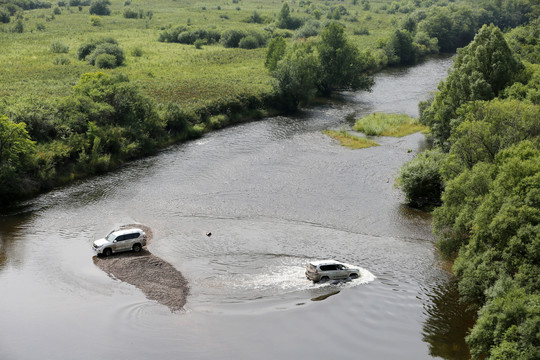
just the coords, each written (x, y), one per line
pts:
(167, 72)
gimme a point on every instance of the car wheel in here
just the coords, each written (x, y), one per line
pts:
(137, 247)
(325, 279)
(107, 252)
(353, 276)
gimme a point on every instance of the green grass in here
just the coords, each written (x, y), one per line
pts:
(168, 72)
(350, 141)
(396, 125)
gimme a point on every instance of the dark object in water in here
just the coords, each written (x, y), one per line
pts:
(208, 233)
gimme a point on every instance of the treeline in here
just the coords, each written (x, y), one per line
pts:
(484, 172)
(106, 121)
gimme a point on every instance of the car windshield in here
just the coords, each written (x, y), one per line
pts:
(110, 237)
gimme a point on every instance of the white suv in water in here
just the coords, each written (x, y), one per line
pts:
(121, 240)
(325, 270)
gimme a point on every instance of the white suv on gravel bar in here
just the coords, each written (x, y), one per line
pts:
(325, 270)
(120, 240)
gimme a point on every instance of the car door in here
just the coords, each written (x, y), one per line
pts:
(120, 244)
(341, 272)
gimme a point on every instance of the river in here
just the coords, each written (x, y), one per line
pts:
(275, 194)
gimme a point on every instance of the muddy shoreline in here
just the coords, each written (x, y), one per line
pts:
(155, 277)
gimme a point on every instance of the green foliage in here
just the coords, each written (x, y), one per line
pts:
(523, 40)
(400, 49)
(309, 29)
(350, 141)
(275, 52)
(105, 61)
(231, 38)
(5, 15)
(96, 20)
(508, 325)
(286, 21)
(15, 143)
(88, 47)
(18, 27)
(421, 181)
(113, 51)
(296, 76)
(481, 70)
(378, 124)
(58, 47)
(100, 7)
(249, 42)
(342, 67)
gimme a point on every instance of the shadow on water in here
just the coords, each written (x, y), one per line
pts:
(448, 322)
(11, 231)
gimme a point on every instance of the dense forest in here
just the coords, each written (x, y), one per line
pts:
(483, 178)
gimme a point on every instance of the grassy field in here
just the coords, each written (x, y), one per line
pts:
(396, 125)
(168, 72)
(350, 141)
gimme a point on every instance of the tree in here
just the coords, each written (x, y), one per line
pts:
(296, 76)
(100, 7)
(342, 67)
(400, 49)
(285, 20)
(275, 52)
(481, 71)
(15, 143)
(421, 181)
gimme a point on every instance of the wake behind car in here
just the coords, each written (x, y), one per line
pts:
(325, 270)
(120, 240)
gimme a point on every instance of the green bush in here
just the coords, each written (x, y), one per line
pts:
(105, 61)
(231, 38)
(58, 47)
(249, 42)
(61, 60)
(137, 51)
(88, 47)
(421, 181)
(130, 13)
(96, 20)
(5, 16)
(100, 7)
(107, 48)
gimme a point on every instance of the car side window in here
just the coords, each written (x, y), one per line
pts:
(132, 236)
(121, 238)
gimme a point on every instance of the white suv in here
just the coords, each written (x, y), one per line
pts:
(325, 270)
(121, 240)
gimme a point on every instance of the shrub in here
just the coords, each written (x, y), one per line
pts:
(100, 7)
(249, 42)
(61, 60)
(5, 16)
(309, 29)
(231, 38)
(58, 47)
(129, 13)
(106, 48)
(95, 20)
(421, 181)
(40, 27)
(105, 61)
(57, 11)
(18, 27)
(87, 48)
(199, 43)
(137, 51)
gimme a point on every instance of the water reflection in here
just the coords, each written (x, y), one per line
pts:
(12, 229)
(448, 322)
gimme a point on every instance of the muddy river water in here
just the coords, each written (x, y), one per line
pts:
(275, 194)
